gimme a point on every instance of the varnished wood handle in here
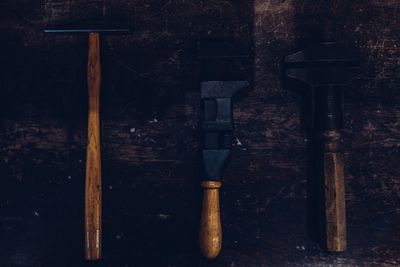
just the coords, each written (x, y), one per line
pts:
(335, 208)
(210, 234)
(93, 156)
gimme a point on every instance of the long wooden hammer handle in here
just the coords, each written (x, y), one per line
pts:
(93, 156)
(335, 208)
(210, 234)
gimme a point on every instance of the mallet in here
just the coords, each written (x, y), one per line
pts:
(93, 184)
(327, 68)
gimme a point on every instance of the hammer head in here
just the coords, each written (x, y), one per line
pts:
(100, 26)
(323, 64)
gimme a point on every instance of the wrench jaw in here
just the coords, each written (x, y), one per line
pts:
(217, 124)
(326, 69)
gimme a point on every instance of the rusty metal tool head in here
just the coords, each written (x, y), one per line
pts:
(217, 124)
(93, 183)
(327, 68)
(217, 94)
(324, 64)
(88, 26)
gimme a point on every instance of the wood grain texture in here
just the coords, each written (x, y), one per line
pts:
(210, 234)
(93, 187)
(150, 113)
(335, 207)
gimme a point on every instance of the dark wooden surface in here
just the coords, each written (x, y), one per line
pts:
(150, 109)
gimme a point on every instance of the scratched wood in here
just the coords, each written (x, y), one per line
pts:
(93, 181)
(150, 109)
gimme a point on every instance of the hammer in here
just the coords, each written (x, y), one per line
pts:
(327, 68)
(93, 185)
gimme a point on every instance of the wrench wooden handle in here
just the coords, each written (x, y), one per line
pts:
(93, 156)
(335, 208)
(210, 234)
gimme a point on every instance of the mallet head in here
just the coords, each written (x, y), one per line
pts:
(323, 64)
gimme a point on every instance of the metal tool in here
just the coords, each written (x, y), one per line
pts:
(327, 68)
(93, 184)
(217, 128)
(220, 64)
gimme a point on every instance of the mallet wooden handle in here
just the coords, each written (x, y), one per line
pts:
(335, 208)
(93, 157)
(210, 234)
